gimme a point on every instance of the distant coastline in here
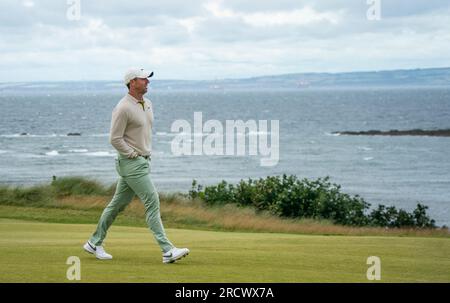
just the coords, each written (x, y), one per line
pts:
(419, 77)
(395, 132)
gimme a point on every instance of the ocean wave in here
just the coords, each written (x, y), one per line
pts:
(165, 134)
(368, 158)
(29, 156)
(364, 148)
(27, 135)
(70, 134)
(52, 153)
(101, 154)
(3, 151)
(82, 150)
(332, 134)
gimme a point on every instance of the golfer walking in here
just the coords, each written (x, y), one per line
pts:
(130, 135)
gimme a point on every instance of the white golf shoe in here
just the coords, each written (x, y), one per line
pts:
(175, 254)
(98, 251)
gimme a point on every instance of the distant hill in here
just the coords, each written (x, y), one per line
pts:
(415, 77)
(390, 78)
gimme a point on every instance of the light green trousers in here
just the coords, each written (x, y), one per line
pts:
(134, 180)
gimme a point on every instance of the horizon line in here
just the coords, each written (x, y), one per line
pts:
(243, 78)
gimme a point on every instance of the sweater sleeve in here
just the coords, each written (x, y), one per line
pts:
(118, 126)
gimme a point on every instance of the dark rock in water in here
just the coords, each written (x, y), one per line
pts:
(396, 132)
(24, 134)
(74, 134)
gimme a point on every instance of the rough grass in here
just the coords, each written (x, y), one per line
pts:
(80, 200)
(37, 252)
(79, 186)
(180, 212)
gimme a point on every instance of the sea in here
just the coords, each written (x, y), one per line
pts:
(62, 129)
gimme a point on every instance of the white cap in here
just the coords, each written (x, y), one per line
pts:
(136, 73)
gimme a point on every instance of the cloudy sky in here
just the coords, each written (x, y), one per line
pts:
(44, 40)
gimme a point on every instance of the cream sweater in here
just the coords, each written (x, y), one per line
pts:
(131, 127)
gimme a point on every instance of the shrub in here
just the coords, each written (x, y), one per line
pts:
(421, 218)
(391, 217)
(287, 196)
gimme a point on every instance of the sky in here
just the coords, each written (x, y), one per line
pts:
(58, 40)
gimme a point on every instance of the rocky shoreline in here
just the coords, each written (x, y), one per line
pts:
(395, 132)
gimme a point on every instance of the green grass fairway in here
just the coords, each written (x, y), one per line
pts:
(37, 252)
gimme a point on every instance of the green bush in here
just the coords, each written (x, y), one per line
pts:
(421, 218)
(220, 194)
(287, 196)
(391, 217)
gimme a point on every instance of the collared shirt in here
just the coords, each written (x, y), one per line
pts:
(131, 127)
